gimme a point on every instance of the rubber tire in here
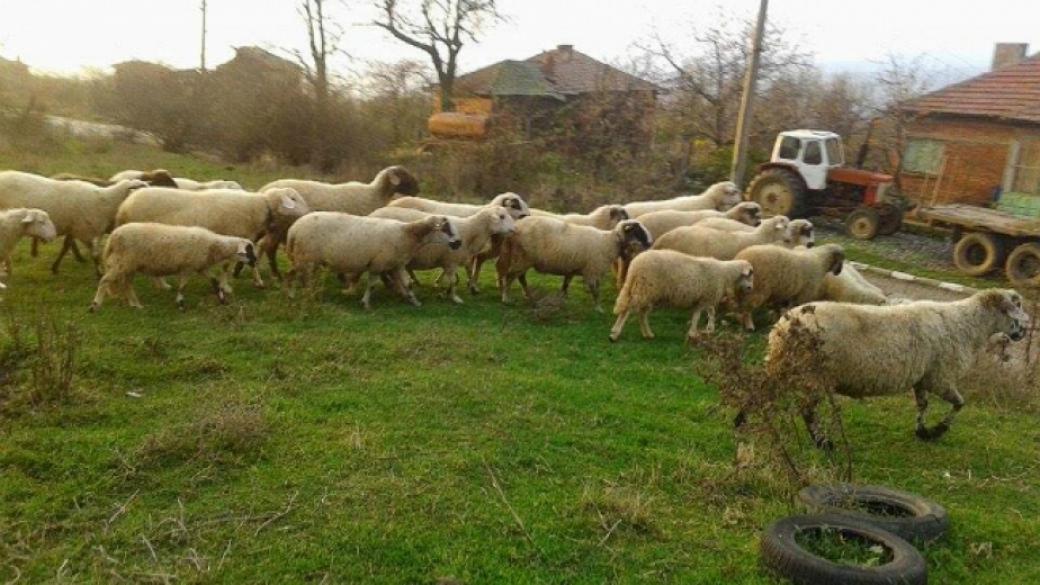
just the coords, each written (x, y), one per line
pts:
(929, 521)
(781, 554)
(991, 245)
(866, 214)
(788, 179)
(1014, 268)
(891, 220)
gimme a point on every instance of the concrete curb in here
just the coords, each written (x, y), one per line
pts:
(921, 280)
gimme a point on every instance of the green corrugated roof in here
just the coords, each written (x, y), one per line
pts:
(511, 78)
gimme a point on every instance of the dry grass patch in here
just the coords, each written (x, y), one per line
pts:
(227, 435)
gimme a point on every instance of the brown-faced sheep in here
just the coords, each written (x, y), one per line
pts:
(672, 278)
(720, 197)
(353, 197)
(786, 278)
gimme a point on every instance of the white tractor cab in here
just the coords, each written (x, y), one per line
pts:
(806, 174)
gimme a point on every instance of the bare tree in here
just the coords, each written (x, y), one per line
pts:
(900, 80)
(438, 28)
(323, 39)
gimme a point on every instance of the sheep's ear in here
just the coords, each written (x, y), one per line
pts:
(395, 178)
(29, 218)
(287, 202)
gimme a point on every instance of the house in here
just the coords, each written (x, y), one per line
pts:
(978, 141)
(531, 94)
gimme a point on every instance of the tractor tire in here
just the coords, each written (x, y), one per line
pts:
(863, 223)
(978, 253)
(1023, 266)
(891, 220)
(779, 192)
(906, 515)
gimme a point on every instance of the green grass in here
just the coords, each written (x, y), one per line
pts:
(837, 547)
(283, 441)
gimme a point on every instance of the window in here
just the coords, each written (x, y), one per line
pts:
(789, 148)
(813, 153)
(923, 156)
(1027, 168)
(835, 156)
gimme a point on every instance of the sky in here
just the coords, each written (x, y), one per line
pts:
(67, 36)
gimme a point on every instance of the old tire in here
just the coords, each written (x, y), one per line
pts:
(863, 223)
(891, 220)
(906, 515)
(1023, 265)
(978, 253)
(779, 192)
(782, 554)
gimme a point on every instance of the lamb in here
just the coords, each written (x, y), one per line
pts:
(787, 278)
(162, 250)
(354, 197)
(80, 210)
(475, 231)
(720, 197)
(556, 247)
(16, 223)
(851, 287)
(662, 222)
(224, 211)
(701, 241)
(668, 277)
(604, 217)
(864, 351)
(351, 245)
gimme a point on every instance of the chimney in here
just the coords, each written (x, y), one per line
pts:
(567, 50)
(1008, 54)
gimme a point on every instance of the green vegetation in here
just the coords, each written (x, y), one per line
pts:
(844, 549)
(280, 441)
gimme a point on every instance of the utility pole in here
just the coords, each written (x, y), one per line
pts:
(202, 59)
(744, 118)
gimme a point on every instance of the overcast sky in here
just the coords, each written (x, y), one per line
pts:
(64, 36)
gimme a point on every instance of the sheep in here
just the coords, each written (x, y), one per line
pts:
(701, 241)
(161, 250)
(556, 247)
(802, 232)
(514, 203)
(16, 223)
(475, 231)
(788, 278)
(354, 197)
(80, 210)
(155, 178)
(352, 245)
(604, 217)
(720, 197)
(193, 185)
(668, 277)
(662, 222)
(851, 287)
(863, 351)
(224, 211)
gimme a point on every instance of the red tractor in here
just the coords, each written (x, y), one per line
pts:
(807, 175)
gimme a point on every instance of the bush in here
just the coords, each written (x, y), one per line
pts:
(38, 361)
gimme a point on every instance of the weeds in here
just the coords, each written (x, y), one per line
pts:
(227, 435)
(38, 360)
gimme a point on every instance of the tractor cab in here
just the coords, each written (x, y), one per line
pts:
(812, 153)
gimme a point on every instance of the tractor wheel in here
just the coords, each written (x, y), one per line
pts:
(978, 253)
(779, 192)
(891, 220)
(863, 223)
(1023, 266)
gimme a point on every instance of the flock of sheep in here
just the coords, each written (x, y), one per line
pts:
(696, 252)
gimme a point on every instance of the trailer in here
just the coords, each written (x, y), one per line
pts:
(988, 240)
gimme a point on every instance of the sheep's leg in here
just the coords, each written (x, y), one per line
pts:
(747, 320)
(34, 250)
(131, 295)
(593, 288)
(258, 282)
(644, 324)
(95, 254)
(66, 245)
(161, 284)
(522, 279)
(929, 434)
(75, 252)
(270, 248)
(403, 283)
(366, 299)
(711, 320)
(453, 282)
(102, 289)
(413, 277)
(695, 320)
(504, 282)
(566, 284)
(619, 325)
(182, 281)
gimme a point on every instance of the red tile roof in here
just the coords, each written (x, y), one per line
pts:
(1011, 93)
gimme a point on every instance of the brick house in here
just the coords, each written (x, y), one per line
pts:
(978, 141)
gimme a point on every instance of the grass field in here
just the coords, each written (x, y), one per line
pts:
(286, 441)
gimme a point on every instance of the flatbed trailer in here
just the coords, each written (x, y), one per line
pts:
(988, 240)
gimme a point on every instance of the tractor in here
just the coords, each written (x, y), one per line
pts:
(806, 175)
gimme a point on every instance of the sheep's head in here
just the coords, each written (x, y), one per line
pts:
(726, 195)
(443, 230)
(615, 214)
(1006, 305)
(502, 223)
(633, 236)
(746, 279)
(246, 252)
(514, 203)
(37, 224)
(286, 203)
(159, 178)
(776, 227)
(835, 256)
(801, 233)
(402, 181)
(748, 212)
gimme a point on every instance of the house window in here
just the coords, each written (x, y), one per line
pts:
(923, 156)
(1027, 168)
(813, 153)
(789, 148)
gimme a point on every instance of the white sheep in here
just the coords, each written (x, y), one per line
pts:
(604, 217)
(193, 185)
(155, 178)
(353, 197)
(851, 287)
(80, 210)
(475, 231)
(160, 250)
(672, 278)
(351, 245)
(662, 222)
(786, 278)
(801, 231)
(863, 351)
(720, 197)
(16, 224)
(700, 241)
(552, 246)
(224, 211)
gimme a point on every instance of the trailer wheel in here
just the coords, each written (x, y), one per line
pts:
(891, 220)
(1023, 265)
(779, 192)
(863, 223)
(978, 253)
